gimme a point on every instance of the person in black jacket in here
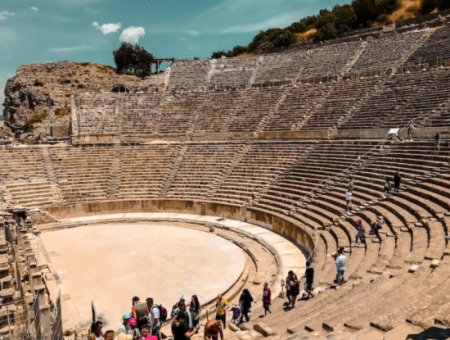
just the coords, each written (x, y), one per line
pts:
(245, 301)
(397, 181)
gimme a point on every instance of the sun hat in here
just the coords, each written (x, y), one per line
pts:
(183, 297)
(132, 322)
(126, 316)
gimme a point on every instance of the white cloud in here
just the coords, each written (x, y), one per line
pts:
(34, 8)
(132, 34)
(181, 38)
(71, 49)
(5, 15)
(107, 28)
(193, 32)
(280, 21)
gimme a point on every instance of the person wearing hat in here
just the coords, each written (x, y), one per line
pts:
(140, 312)
(125, 327)
(361, 233)
(175, 309)
(134, 331)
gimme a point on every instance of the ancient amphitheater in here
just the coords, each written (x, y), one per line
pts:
(242, 165)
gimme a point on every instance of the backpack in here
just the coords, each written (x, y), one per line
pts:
(162, 313)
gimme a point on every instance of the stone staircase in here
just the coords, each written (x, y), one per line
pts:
(115, 173)
(174, 170)
(57, 196)
(268, 118)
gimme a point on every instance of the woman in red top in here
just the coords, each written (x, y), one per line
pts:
(267, 298)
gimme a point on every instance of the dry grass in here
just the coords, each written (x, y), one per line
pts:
(246, 54)
(308, 35)
(402, 13)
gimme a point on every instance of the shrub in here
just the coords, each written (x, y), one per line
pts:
(36, 118)
(131, 59)
(365, 11)
(39, 83)
(61, 112)
(67, 95)
(80, 86)
(428, 6)
(84, 64)
(413, 9)
(388, 6)
(384, 19)
(443, 4)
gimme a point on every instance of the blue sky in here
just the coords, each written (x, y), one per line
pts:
(33, 31)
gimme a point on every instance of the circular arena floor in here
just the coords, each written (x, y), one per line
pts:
(111, 263)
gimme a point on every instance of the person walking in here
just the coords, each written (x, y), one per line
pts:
(360, 234)
(397, 181)
(140, 312)
(340, 262)
(155, 317)
(245, 301)
(96, 331)
(294, 287)
(437, 141)
(221, 309)
(348, 199)
(195, 309)
(125, 327)
(386, 188)
(309, 276)
(267, 298)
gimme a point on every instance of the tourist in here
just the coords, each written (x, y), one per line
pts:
(96, 331)
(340, 262)
(397, 181)
(267, 298)
(195, 309)
(189, 319)
(140, 312)
(175, 306)
(237, 315)
(146, 334)
(309, 275)
(350, 185)
(155, 317)
(294, 287)
(245, 301)
(386, 188)
(379, 226)
(179, 329)
(125, 327)
(221, 309)
(109, 335)
(411, 132)
(213, 328)
(348, 199)
(360, 236)
(437, 141)
(134, 331)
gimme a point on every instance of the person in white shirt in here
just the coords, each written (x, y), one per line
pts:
(155, 316)
(340, 262)
(348, 199)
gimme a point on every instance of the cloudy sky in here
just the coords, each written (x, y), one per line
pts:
(34, 31)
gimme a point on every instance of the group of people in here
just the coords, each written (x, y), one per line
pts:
(292, 285)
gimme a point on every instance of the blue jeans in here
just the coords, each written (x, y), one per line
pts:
(155, 331)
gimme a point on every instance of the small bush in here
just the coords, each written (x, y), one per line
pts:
(36, 118)
(61, 112)
(80, 86)
(84, 64)
(384, 19)
(428, 6)
(67, 95)
(106, 69)
(413, 9)
(39, 83)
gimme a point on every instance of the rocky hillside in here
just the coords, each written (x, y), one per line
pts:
(38, 98)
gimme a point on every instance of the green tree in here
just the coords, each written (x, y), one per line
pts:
(388, 6)
(132, 59)
(365, 11)
(428, 6)
(443, 4)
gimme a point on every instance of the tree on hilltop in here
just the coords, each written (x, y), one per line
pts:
(133, 59)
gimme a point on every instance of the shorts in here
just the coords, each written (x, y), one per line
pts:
(308, 286)
(222, 318)
(340, 273)
(266, 305)
(294, 291)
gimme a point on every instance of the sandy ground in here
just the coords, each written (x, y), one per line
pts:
(111, 263)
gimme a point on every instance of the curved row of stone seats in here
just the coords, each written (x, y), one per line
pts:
(400, 92)
(257, 167)
(178, 113)
(328, 60)
(300, 103)
(188, 74)
(140, 115)
(437, 46)
(31, 194)
(99, 114)
(203, 166)
(233, 71)
(387, 51)
(344, 98)
(144, 169)
(83, 173)
(280, 67)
